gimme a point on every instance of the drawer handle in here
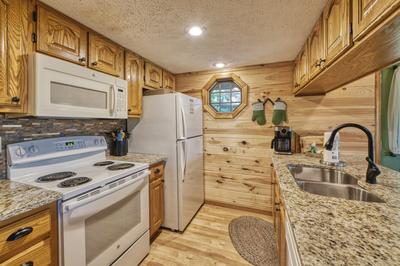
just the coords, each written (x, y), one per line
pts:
(157, 171)
(28, 263)
(94, 64)
(20, 233)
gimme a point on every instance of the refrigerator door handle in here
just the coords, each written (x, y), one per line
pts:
(184, 160)
(183, 122)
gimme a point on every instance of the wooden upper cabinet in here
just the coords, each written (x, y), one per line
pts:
(168, 80)
(303, 72)
(316, 47)
(105, 56)
(153, 75)
(368, 13)
(15, 42)
(59, 36)
(296, 83)
(337, 29)
(134, 74)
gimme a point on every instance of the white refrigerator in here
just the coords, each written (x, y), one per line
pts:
(172, 124)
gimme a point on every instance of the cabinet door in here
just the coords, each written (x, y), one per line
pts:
(134, 74)
(15, 42)
(337, 29)
(156, 205)
(316, 49)
(303, 66)
(168, 80)
(60, 36)
(153, 76)
(282, 236)
(296, 75)
(105, 55)
(368, 13)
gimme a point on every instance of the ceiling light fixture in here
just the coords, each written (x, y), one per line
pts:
(219, 65)
(195, 31)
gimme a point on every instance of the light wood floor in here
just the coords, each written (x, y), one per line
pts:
(205, 241)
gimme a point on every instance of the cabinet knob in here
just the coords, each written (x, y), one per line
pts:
(129, 110)
(94, 63)
(157, 171)
(15, 99)
(28, 263)
(82, 59)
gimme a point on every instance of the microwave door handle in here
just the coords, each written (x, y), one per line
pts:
(112, 110)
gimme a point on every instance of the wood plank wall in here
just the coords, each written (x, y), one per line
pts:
(240, 176)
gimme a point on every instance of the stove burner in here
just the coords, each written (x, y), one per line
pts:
(76, 181)
(103, 163)
(55, 176)
(120, 166)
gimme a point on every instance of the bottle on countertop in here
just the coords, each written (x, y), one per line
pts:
(331, 156)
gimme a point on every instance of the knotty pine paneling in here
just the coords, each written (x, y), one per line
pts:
(240, 174)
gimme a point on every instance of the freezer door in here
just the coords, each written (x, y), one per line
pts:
(191, 179)
(189, 116)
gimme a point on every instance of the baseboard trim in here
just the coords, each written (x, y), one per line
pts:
(231, 206)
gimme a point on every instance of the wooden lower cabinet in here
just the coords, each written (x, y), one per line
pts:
(278, 214)
(156, 198)
(31, 239)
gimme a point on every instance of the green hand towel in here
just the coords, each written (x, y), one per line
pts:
(258, 113)
(279, 114)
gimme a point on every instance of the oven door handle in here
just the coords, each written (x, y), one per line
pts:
(76, 204)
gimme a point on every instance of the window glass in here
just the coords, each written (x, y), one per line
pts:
(225, 96)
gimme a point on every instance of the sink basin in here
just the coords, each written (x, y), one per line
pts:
(348, 192)
(320, 174)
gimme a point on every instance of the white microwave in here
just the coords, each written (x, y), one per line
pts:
(58, 88)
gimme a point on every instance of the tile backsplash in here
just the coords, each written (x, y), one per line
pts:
(14, 130)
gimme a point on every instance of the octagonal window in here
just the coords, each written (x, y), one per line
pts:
(225, 96)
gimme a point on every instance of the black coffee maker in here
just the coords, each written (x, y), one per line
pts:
(282, 142)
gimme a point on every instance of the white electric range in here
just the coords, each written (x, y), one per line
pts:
(104, 212)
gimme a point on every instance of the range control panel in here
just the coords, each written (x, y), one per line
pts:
(54, 147)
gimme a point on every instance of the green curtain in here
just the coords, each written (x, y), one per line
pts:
(387, 159)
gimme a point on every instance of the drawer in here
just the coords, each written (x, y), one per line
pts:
(24, 231)
(156, 172)
(36, 255)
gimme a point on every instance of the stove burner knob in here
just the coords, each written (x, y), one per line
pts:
(20, 152)
(102, 141)
(33, 149)
(96, 142)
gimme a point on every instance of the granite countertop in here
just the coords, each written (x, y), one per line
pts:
(17, 198)
(333, 231)
(140, 158)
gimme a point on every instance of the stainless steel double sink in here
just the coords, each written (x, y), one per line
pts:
(330, 182)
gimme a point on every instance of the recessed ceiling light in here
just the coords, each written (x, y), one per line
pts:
(219, 65)
(195, 31)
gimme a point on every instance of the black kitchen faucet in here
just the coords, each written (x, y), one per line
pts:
(372, 170)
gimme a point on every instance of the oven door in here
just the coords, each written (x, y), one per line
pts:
(100, 228)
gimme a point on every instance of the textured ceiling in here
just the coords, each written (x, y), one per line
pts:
(238, 32)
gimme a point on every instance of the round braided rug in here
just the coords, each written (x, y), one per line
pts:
(254, 240)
